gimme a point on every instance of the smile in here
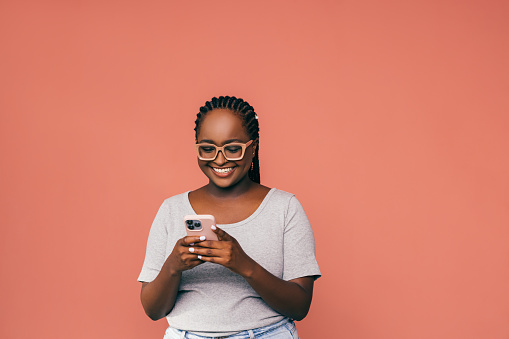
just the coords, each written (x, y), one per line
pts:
(222, 170)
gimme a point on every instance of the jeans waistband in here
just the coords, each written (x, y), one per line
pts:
(247, 334)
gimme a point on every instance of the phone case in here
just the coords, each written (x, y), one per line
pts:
(199, 224)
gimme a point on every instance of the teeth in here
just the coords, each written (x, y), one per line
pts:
(222, 170)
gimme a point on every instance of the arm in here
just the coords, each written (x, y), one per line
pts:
(158, 297)
(290, 298)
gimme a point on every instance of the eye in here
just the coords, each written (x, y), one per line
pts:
(207, 149)
(233, 149)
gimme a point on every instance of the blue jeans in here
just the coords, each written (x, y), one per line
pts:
(284, 329)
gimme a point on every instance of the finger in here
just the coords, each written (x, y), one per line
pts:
(191, 259)
(206, 252)
(213, 244)
(215, 260)
(222, 235)
(202, 259)
(193, 263)
(188, 240)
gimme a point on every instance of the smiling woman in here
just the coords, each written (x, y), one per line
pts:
(258, 277)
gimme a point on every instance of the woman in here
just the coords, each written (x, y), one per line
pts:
(259, 276)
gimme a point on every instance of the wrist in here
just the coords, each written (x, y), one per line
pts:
(249, 269)
(171, 271)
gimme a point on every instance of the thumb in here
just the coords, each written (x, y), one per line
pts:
(221, 234)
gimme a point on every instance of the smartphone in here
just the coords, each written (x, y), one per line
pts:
(199, 224)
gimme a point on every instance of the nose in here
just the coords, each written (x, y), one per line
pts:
(220, 159)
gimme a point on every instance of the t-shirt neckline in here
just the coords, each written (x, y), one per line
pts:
(238, 223)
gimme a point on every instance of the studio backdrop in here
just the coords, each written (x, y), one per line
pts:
(387, 120)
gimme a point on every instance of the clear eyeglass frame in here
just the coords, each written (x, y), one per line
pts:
(222, 149)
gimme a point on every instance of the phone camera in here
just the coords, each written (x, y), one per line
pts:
(193, 225)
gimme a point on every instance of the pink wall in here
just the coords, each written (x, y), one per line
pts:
(392, 117)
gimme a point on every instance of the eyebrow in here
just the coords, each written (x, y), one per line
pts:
(208, 141)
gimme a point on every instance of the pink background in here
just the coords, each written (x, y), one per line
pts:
(387, 119)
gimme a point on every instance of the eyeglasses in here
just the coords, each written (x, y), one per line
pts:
(232, 151)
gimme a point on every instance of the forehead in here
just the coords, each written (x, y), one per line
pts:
(220, 124)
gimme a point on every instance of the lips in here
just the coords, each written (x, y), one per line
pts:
(223, 171)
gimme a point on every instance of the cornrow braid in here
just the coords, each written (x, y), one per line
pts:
(249, 120)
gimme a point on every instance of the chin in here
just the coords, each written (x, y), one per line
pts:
(226, 182)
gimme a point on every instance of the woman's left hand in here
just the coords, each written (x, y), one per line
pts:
(227, 252)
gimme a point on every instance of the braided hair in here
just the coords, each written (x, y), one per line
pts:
(249, 120)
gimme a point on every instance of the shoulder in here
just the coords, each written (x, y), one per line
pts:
(282, 197)
(176, 198)
(284, 200)
(176, 202)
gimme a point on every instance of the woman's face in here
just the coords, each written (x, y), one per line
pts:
(220, 127)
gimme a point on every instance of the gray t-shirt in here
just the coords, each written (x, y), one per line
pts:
(214, 301)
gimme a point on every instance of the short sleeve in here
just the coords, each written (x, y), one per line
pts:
(299, 244)
(156, 246)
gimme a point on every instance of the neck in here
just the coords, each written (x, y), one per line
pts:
(234, 191)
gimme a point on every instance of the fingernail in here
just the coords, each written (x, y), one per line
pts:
(213, 227)
(202, 237)
(192, 244)
(199, 257)
(191, 249)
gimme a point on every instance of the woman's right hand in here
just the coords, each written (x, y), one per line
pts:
(158, 297)
(182, 258)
